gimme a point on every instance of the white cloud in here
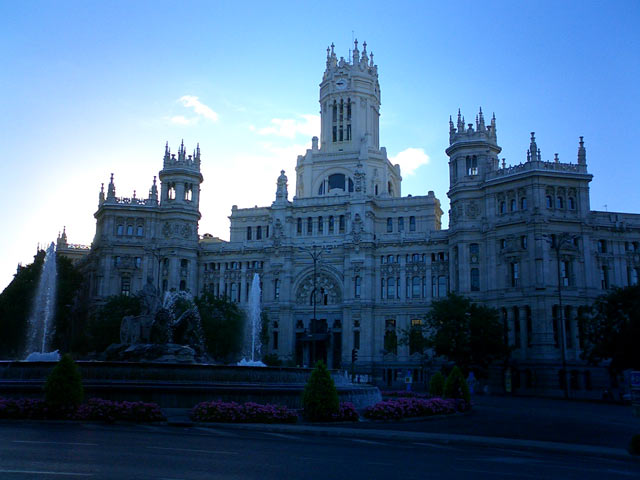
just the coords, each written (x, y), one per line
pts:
(410, 159)
(199, 107)
(307, 125)
(182, 120)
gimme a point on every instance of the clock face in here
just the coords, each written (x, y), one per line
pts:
(341, 84)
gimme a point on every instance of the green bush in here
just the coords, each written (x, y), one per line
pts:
(634, 445)
(456, 386)
(436, 385)
(272, 360)
(320, 398)
(63, 389)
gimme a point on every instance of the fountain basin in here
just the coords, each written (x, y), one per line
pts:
(182, 385)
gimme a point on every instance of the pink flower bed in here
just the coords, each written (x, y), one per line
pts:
(414, 407)
(346, 413)
(404, 394)
(94, 409)
(232, 412)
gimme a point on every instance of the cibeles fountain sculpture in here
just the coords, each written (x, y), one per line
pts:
(40, 326)
(167, 330)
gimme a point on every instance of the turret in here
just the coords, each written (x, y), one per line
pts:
(472, 152)
(180, 179)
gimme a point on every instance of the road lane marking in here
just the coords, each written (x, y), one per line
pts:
(282, 435)
(216, 432)
(55, 443)
(218, 452)
(41, 472)
(434, 445)
(369, 442)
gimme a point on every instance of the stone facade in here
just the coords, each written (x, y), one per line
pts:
(376, 259)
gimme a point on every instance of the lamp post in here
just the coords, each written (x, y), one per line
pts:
(315, 252)
(557, 242)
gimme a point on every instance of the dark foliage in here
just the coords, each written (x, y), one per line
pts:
(468, 334)
(436, 385)
(15, 307)
(612, 330)
(320, 397)
(104, 326)
(71, 312)
(456, 386)
(223, 326)
(63, 388)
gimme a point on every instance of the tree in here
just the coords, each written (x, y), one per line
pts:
(467, 334)
(612, 329)
(320, 398)
(16, 303)
(63, 388)
(223, 326)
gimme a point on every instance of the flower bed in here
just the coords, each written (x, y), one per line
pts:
(232, 412)
(346, 413)
(414, 407)
(94, 409)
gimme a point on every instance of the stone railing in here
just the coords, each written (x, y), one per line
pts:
(537, 165)
(132, 201)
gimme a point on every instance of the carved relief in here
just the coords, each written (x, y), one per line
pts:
(328, 291)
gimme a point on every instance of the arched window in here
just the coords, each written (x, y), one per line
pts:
(140, 231)
(549, 201)
(503, 207)
(512, 205)
(559, 202)
(523, 203)
(389, 188)
(120, 230)
(129, 230)
(391, 287)
(572, 203)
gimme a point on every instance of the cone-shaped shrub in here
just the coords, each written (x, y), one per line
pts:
(320, 398)
(436, 385)
(456, 386)
(63, 388)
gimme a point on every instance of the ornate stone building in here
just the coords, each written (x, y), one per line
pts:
(376, 259)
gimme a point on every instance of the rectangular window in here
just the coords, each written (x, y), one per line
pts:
(604, 278)
(391, 287)
(331, 225)
(416, 287)
(442, 286)
(475, 280)
(565, 268)
(125, 286)
(275, 340)
(412, 224)
(401, 224)
(602, 246)
(389, 225)
(515, 274)
(382, 288)
(356, 287)
(258, 233)
(299, 227)
(249, 236)
(516, 326)
(129, 230)
(472, 165)
(356, 339)
(341, 223)
(138, 262)
(309, 225)
(434, 287)
(523, 242)
(320, 225)
(120, 230)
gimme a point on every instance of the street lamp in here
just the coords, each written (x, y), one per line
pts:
(315, 252)
(557, 242)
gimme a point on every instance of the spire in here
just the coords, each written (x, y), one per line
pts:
(460, 123)
(582, 153)
(493, 125)
(356, 52)
(533, 148)
(101, 195)
(481, 125)
(153, 191)
(111, 191)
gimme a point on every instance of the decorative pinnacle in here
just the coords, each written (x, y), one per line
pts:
(355, 43)
(332, 47)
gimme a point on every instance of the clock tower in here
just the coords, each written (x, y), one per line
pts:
(350, 102)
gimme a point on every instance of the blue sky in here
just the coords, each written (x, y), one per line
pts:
(90, 88)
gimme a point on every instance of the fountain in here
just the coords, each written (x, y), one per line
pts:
(253, 328)
(44, 305)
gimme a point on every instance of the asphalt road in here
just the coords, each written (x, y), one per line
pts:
(97, 451)
(543, 419)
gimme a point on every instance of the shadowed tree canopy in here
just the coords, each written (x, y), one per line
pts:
(612, 329)
(467, 334)
(223, 326)
(16, 302)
